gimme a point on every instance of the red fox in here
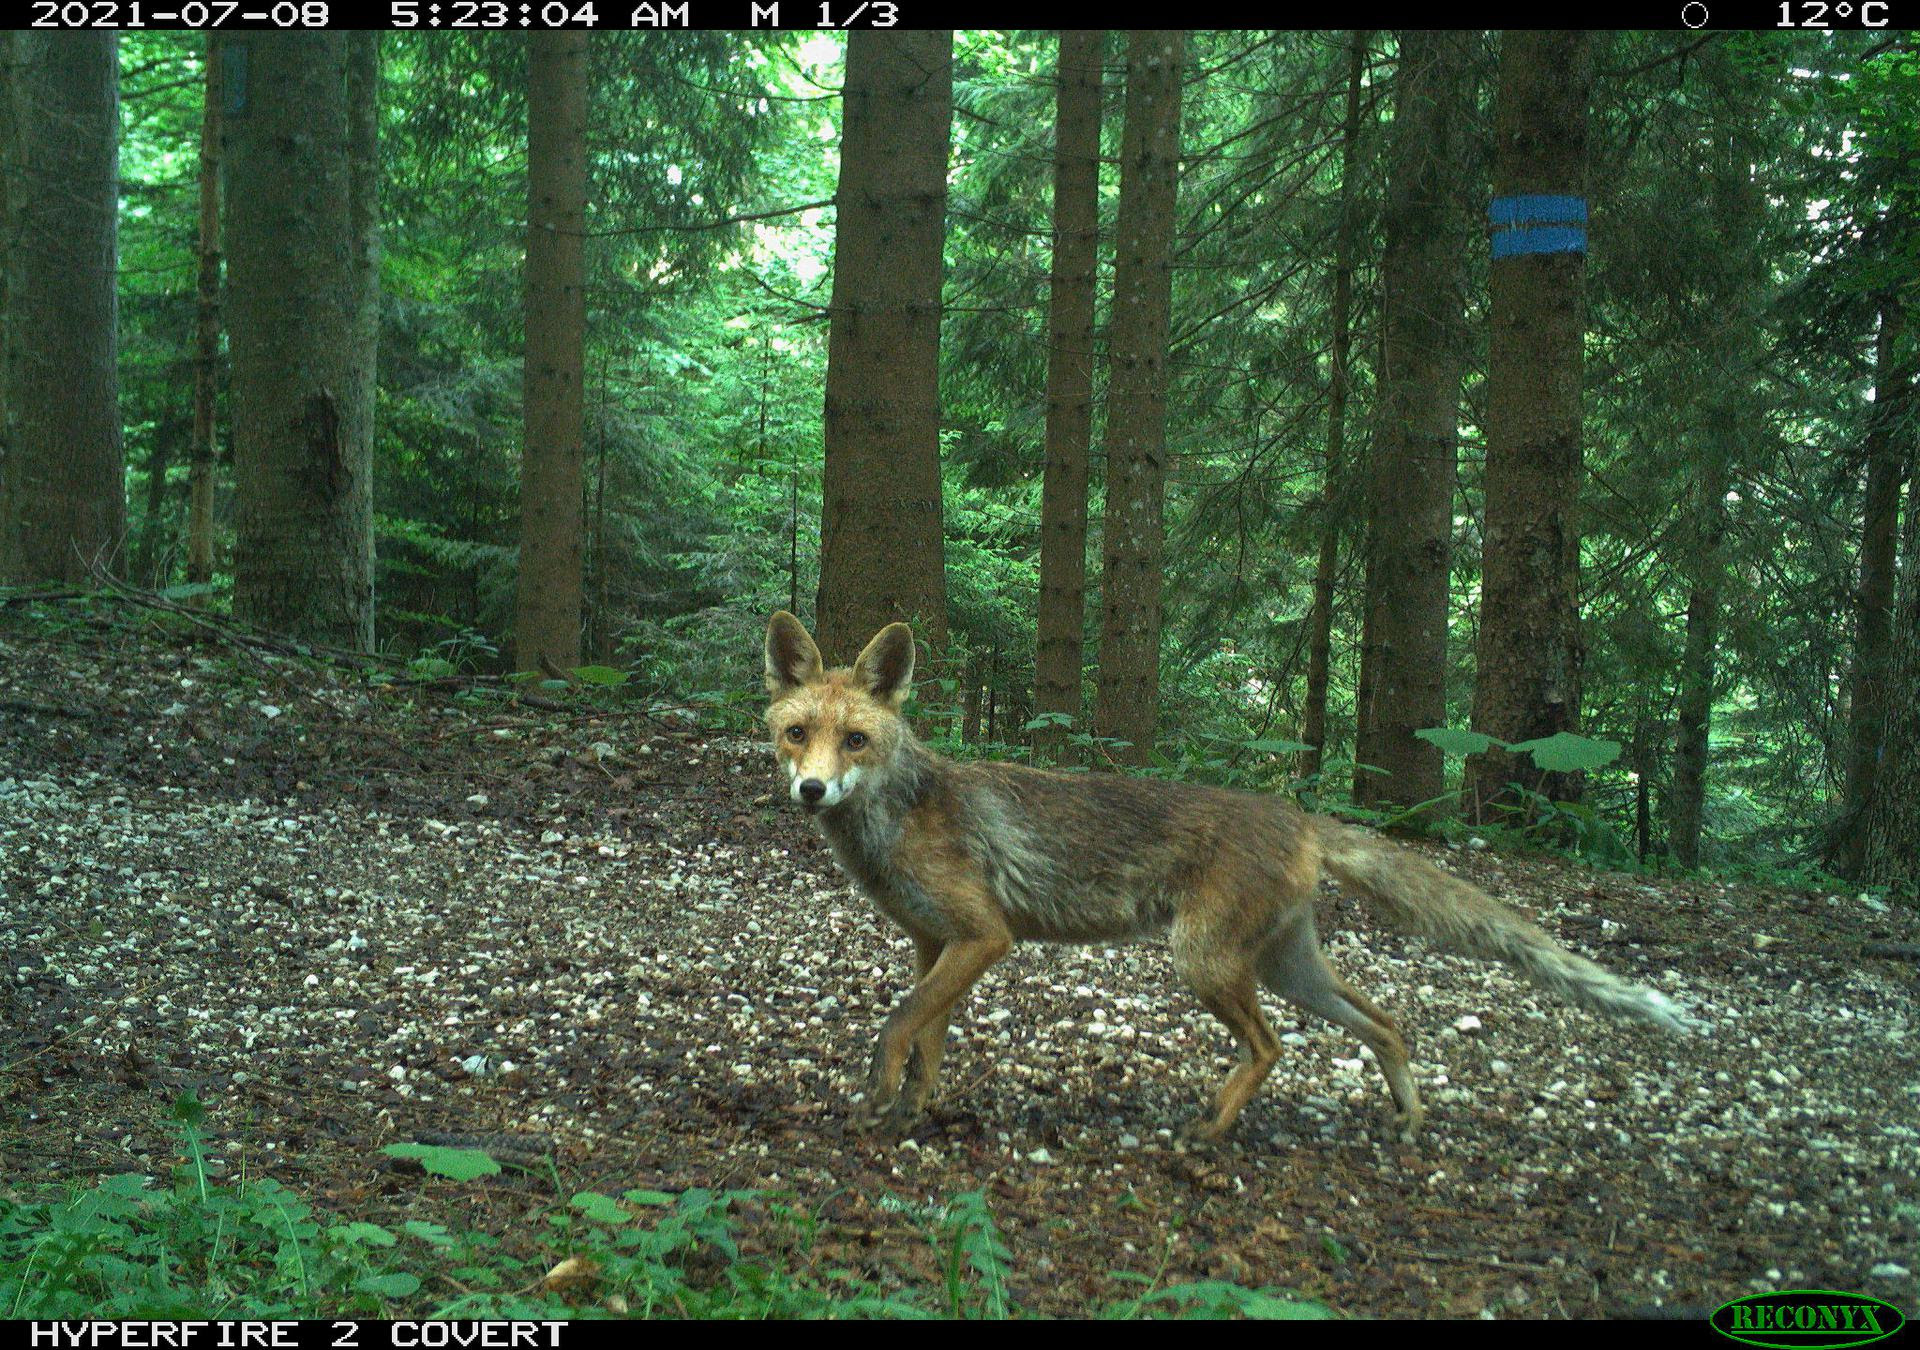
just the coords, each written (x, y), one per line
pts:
(971, 858)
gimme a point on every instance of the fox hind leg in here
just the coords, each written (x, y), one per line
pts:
(1293, 966)
(1218, 970)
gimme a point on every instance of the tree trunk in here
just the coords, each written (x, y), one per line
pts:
(993, 693)
(548, 602)
(1687, 804)
(881, 534)
(9, 155)
(302, 420)
(1127, 696)
(62, 489)
(1063, 504)
(150, 558)
(1416, 438)
(1313, 723)
(1642, 790)
(1313, 716)
(363, 185)
(970, 700)
(1873, 601)
(1889, 845)
(1730, 425)
(206, 334)
(1529, 654)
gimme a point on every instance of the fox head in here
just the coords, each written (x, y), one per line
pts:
(834, 728)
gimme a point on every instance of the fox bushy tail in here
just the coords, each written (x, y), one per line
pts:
(1413, 895)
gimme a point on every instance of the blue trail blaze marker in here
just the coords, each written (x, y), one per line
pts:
(1537, 223)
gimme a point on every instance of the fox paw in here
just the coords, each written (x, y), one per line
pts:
(897, 1120)
(1203, 1131)
(889, 1120)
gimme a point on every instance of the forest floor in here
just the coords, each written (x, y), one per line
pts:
(348, 914)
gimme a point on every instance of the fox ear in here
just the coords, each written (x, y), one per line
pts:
(885, 668)
(792, 657)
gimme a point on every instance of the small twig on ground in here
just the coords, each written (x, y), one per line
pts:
(1463, 1258)
(962, 1093)
(67, 1035)
(43, 709)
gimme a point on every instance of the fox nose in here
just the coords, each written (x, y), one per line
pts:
(812, 790)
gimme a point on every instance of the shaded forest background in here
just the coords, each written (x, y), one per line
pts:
(1746, 586)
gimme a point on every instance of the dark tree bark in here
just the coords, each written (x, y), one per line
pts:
(1889, 440)
(363, 213)
(970, 699)
(296, 301)
(206, 335)
(1729, 425)
(1063, 504)
(881, 540)
(1127, 695)
(62, 482)
(1416, 435)
(1686, 805)
(1313, 723)
(1529, 654)
(9, 154)
(150, 562)
(1889, 846)
(548, 602)
(1641, 757)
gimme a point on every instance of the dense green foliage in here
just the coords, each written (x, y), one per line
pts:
(1752, 195)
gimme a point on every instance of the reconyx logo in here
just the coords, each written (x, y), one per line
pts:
(1797, 1318)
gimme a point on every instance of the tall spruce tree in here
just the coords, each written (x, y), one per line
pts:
(62, 494)
(297, 291)
(881, 538)
(1889, 453)
(1061, 619)
(206, 331)
(1888, 851)
(1410, 482)
(547, 613)
(1127, 698)
(1313, 722)
(1731, 425)
(1527, 682)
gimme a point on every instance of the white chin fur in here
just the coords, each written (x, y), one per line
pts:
(838, 789)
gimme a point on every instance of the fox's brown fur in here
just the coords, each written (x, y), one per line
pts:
(971, 858)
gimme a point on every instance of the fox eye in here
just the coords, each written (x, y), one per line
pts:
(856, 739)
(796, 732)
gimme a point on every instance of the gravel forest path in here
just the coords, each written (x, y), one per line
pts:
(347, 914)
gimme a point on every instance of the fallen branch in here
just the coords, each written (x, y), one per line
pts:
(28, 597)
(241, 634)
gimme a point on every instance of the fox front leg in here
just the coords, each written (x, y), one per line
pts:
(929, 1047)
(886, 1110)
(925, 1010)
(894, 1098)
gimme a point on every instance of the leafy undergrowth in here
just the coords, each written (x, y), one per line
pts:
(204, 1248)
